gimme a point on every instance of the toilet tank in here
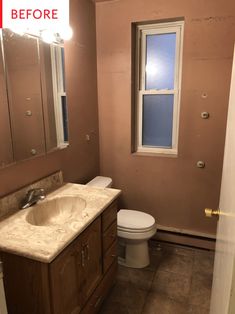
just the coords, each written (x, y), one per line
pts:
(100, 182)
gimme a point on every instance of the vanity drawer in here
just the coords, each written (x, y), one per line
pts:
(109, 216)
(95, 302)
(109, 236)
(110, 257)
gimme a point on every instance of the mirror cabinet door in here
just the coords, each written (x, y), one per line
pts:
(33, 109)
(24, 94)
(6, 152)
(54, 95)
(48, 96)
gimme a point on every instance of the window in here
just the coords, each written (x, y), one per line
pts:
(159, 59)
(58, 74)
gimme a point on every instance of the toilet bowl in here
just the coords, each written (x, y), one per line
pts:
(134, 229)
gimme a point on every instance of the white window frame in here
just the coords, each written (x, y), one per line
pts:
(142, 32)
(58, 92)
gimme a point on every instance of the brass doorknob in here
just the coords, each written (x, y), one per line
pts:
(212, 212)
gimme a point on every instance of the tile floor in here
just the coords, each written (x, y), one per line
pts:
(177, 281)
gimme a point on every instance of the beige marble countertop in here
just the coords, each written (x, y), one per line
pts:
(44, 243)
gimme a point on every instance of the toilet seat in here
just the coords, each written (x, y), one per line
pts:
(134, 221)
(134, 230)
(133, 224)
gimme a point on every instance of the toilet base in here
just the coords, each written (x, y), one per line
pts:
(134, 254)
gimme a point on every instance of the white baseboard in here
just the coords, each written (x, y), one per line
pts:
(187, 232)
(185, 237)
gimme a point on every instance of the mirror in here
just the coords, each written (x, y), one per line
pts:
(6, 152)
(35, 114)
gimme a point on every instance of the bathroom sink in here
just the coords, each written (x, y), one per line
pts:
(56, 211)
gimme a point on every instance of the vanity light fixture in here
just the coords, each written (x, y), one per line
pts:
(48, 36)
(66, 33)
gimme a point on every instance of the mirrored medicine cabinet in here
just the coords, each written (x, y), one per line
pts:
(33, 109)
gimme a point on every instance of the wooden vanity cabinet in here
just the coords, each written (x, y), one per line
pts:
(75, 273)
(76, 281)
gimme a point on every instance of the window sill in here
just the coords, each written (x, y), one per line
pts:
(63, 145)
(148, 154)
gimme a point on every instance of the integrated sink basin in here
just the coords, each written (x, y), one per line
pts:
(56, 211)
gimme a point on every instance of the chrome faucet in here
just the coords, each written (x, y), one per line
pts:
(32, 197)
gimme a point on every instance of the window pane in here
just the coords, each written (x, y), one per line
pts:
(63, 67)
(157, 120)
(65, 118)
(160, 61)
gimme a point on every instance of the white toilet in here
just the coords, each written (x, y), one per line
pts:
(134, 229)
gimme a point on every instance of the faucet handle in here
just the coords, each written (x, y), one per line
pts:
(38, 191)
(42, 197)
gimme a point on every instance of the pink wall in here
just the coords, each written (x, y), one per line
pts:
(173, 190)
(80, 161)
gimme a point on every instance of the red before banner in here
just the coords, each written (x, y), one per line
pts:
(0, 13)
(35, 14)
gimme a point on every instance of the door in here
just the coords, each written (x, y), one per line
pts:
(223, 289)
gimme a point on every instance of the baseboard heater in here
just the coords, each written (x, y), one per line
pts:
(185, 237)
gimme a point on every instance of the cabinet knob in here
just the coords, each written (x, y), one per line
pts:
(87, 252)
(97, 302)
(83, 258)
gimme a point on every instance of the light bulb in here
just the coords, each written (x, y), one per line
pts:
(19, 30)
(33, 31)
(47, 36)
(66, 33)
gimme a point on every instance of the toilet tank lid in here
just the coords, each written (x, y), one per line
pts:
(134, 219)
(100, 182)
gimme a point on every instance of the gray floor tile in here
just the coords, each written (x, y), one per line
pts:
(157, 303)
(114, 308)
(140, 278)
(178, 249)
(128, 295)
(197, 310)
(156, 256)
(176, 263)
(175, 286)
(203, 262)
(200, 290)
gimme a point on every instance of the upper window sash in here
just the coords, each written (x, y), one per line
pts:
(143, 33)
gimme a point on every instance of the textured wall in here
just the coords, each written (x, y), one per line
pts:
(80, 161)
(171, 189)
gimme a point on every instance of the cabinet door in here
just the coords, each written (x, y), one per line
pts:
(91, 258)
(65, 278)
